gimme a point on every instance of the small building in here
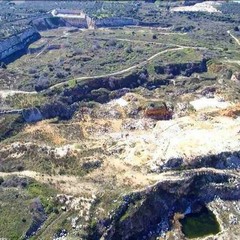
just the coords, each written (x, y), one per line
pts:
(74, 18)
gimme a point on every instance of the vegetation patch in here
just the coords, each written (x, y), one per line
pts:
(19, 207)
(200, 224)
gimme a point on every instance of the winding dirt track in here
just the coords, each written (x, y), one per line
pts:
(237, 41)
(75, 185)
(121, 71)
(5, 93)
(68, 184)
(178, 48)
(145, 62)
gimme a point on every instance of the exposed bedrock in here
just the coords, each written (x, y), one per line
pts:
(152, 210)
(15, 46)
(46, 23)
(185, 69)
(87, 89)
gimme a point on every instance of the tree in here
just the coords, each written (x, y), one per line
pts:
(128, 49)
(154, 36)
(1, 180)
(236, 29)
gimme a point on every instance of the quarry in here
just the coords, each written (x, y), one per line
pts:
(120, 120)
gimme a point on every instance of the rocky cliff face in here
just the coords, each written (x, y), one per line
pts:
(108, 86)
(115, 22)
(185, 69)
(16, 45)
(42, 24)
(149, 213)
(102, 89)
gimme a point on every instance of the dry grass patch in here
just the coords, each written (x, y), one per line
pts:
(232, 112)
(44, 130)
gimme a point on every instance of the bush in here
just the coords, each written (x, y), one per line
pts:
(55, 210)
(42, 83)
(138, 49)
(120, 45)
(236, 29)
(32, 71)
(129, 49)
(77, 51)
(100, 95)
(61, 74)
(154, 36)
(1, 180)
(20, 168)
(3, 65)
(112, 43)
(62, 172)
(95, 47)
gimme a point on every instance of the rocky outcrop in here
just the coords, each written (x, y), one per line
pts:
(185, 69)
(57, 109)
(191, 2)
(15, 46)
(236, 77)
(38, 217)
(42, 24)
(103, 89)
(46, 111)
(148, 213)
(32, 115)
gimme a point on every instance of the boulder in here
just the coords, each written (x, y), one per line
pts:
(57, 109)
(32, 115)
(236, 77)
(38, 217)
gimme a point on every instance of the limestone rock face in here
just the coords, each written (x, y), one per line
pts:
(148, 212)
(17, 44)
(236, 77)
(39, 216)
(46, 23)
(32, 115)
(185, 69)
(57, 109)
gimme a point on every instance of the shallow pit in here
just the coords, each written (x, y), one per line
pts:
(200, 224)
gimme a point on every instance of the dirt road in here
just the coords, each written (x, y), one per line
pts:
(237, 41)
(124, 70)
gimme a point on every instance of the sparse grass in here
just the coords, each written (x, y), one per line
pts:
(182, 56)
(25, 100)
(14, 210)
(16, 216)
(133, 207)
(45, 131)
(45, 193)
(10, 125)
(82, 54)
